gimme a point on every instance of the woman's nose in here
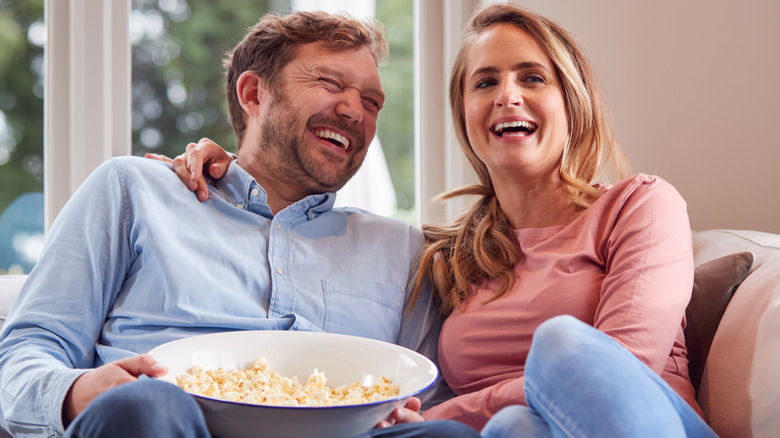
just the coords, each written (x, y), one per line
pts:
(509, 94)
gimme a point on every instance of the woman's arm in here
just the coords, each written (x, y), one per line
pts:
(649, 272)
(203, 156)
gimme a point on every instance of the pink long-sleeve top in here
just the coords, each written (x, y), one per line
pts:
(625, 266)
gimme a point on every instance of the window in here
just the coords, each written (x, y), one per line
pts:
(178, 93)
(22, 37)
(88, 100)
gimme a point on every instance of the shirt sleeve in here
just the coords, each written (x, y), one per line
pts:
(649, 272)
(421, 326)
(50, 335)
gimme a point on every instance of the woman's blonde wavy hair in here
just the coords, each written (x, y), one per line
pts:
(479, 244)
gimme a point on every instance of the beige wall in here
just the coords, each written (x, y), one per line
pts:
(694, 88)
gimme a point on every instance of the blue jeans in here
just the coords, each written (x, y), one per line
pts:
(146, 408)
(579, 382)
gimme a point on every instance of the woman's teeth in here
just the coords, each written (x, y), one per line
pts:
(523, 127)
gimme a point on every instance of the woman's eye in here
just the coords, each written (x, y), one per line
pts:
(534, 78)
(484, 83)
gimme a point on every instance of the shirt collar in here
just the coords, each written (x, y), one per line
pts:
(243, 191)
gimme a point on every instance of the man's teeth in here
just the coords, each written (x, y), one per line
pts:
(327, 134)
(523, 125)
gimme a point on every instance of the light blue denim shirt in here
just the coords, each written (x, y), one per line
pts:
(134, 260)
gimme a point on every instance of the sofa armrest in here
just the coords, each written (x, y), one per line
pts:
(740, 391)
(10, 285)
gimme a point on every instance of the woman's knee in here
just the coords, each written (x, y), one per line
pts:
(564, 346)
(558, 328)
(560, 336)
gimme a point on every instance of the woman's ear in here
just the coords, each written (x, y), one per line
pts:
(251, 92)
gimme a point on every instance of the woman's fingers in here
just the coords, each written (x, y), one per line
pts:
(203, 156)
(158, 157)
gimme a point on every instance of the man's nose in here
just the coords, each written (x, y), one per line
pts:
(350, 105)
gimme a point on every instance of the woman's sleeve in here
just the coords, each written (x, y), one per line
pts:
(649, 272)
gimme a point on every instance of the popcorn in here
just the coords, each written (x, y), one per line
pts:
(261, 386)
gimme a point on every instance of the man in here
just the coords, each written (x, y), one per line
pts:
(133, 261)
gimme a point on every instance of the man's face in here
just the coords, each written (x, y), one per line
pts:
(317, 127)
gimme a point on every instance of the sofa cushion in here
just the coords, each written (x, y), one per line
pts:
(10, 285)
(714, 283)
(740, 389)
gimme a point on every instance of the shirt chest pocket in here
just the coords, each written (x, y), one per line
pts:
(363, 308)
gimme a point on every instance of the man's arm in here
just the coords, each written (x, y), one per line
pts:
(49, 338)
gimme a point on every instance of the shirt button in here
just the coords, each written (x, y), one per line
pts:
(241, 206)
(280, 271)
(279, 227)
(255, 192)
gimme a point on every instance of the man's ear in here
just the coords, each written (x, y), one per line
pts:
(251, 92)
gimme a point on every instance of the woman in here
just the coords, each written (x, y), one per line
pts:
(545, 239)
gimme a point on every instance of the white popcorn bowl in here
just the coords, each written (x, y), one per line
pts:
(344, 360)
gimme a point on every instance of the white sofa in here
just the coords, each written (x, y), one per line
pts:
(740, 384)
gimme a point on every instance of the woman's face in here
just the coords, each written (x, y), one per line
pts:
(515, 113)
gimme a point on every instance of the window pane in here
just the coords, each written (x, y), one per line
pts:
(396, 122)
(178, 81)
(22, 37)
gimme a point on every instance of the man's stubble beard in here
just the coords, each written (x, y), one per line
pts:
(283, 149)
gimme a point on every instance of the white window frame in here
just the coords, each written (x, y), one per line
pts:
(87, 105)
(439, 163)
(87, 99)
